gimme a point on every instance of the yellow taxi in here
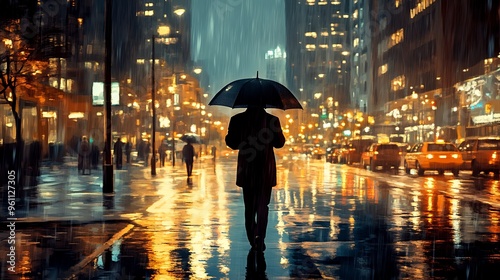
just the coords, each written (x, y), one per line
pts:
(439, 156)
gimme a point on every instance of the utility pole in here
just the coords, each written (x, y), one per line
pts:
(107, 174)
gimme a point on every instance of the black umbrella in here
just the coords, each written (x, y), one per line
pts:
(191, 138)
(256, 92)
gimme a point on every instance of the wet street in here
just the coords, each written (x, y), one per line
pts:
(326, 221)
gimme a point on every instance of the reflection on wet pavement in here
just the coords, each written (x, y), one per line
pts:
(326, 221)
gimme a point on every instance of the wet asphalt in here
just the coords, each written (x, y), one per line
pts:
(326, 221)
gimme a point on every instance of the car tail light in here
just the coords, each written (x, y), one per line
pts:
(429, 156)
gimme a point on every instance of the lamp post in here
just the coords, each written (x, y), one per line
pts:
(434, 108)
(414, 96)
(153, 101)
(163, 31)
(107, 178)
(198, 71)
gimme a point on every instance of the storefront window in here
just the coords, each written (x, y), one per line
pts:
(7, 123)
(29, 123)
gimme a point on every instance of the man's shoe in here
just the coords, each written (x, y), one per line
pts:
(260, 246)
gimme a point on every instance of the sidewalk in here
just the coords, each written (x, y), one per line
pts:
(64, 195)
(65, 222)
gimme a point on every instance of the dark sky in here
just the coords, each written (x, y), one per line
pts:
(231, 37)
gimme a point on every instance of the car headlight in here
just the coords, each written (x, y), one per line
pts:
(454, 156)
(429, 156)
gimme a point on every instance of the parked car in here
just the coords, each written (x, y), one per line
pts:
(386, 155)
(481, 154)
(307, 149)
(318, 152)
(438, 156)
(403, 148)
(352, 152)
(332, 153)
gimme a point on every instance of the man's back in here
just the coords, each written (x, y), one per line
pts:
(188, 152)
(255, 133)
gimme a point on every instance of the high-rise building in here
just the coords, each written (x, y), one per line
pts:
(276, 65)
(318, 47)
(420, 50)
(170, 22)
(361, 83)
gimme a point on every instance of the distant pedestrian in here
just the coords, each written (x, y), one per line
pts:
(118, 153)
(83, 154)
(214, 153)
(188, 156)
(255, 133)
(140, 150)
(147, 151)
(128, 150)
(162, 150)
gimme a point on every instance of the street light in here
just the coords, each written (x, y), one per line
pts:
(153, 101)
(162, 31)
(414, 96)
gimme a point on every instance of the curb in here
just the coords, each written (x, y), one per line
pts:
(74, 270)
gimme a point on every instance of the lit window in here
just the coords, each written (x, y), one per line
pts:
(310, 47)
(311, 34)
(383, 69)
(396, 38)
(355, 43)
(398, 83)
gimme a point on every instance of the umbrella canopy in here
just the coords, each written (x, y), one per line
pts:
(191, 138)
(256, 92)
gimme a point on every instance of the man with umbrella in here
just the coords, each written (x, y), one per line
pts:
(255, 133)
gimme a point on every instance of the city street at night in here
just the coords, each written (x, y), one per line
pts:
(326, 221)
(249, 139)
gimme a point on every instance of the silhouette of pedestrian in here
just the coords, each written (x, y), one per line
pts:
(255, 133)
(83, 154)
(188, 156)
(214, 153)
(147, 150)
(162, 150)
(128, 150)
(118, 153)
(140, 149)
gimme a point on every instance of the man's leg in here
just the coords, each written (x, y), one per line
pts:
(250, 225)
(262, 209)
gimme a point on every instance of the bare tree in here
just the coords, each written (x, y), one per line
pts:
(17, 68)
